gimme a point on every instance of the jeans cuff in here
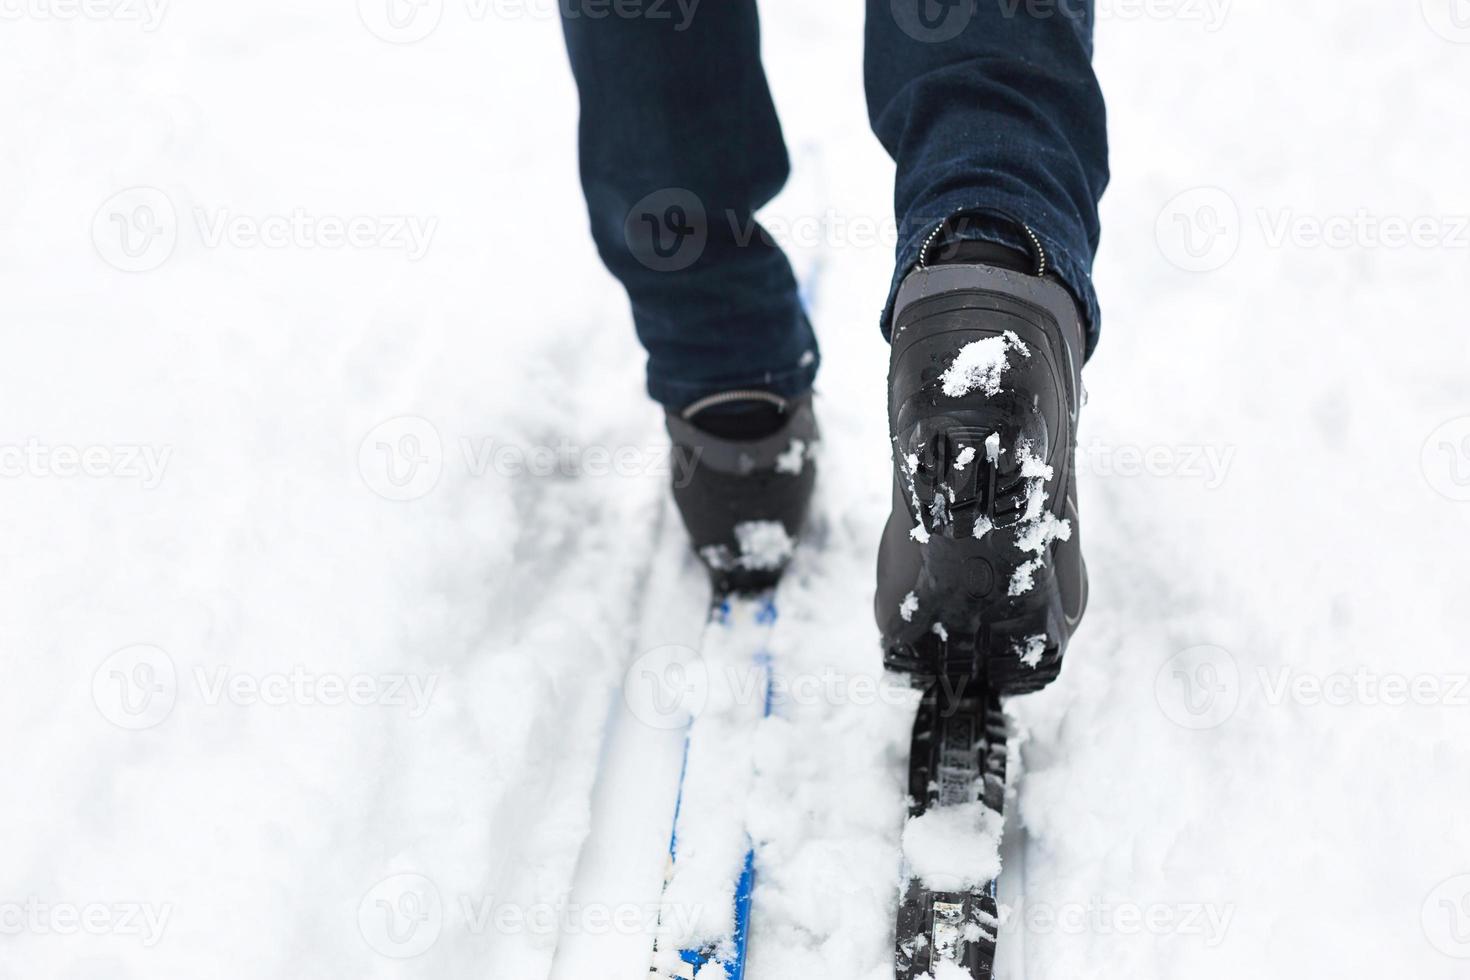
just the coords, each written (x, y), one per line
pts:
(788, 382)
(971, 220)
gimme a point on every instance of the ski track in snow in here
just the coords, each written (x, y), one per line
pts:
(1285, 523)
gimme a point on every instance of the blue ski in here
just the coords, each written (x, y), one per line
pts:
(715, 774)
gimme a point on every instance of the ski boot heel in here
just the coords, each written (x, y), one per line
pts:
(983, 388)
(744, 497)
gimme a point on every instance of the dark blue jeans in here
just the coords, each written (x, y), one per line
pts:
(990, 109)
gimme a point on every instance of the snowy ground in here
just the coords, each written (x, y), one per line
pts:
(324, 562)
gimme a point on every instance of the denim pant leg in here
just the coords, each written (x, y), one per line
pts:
(679, 146)
(993, 114)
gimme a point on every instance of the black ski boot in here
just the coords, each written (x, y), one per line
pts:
(744, 468)
(980, 571)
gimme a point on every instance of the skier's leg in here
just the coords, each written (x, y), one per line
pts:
(992, 112)
(679, 146)
(994, 116)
